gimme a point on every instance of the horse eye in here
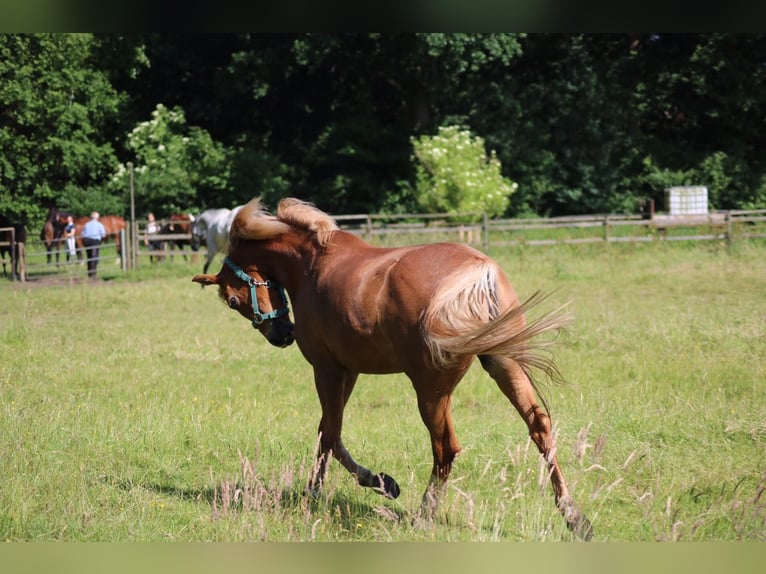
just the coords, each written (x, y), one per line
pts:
(233, 302)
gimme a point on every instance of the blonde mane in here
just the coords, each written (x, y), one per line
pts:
(305, 216)
(254, 222)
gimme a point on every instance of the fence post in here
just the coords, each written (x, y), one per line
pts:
(133, 237)
(14, 260)
(123, 251)
(131, 246)
(729, 230)
(485, 231)
(606, 228)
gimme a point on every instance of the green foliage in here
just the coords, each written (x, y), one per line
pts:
(758, 198)
(572, 118)
(83, 201)
(454, 174)
(175, 165)
(57, 109)
(726, 179)
(257, 172)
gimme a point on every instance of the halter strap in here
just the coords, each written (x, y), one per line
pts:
(259, 317)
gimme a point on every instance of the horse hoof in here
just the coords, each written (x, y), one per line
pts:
(581, 528)
(312, 492)
(386, 486)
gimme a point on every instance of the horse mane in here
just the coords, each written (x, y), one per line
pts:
(254, 222)
(306, 216)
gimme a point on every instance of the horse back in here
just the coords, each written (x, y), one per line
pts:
(112, 223)
(370, 303)
(179, 223)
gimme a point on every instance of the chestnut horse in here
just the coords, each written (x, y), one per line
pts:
(113, 224)
(424, 310)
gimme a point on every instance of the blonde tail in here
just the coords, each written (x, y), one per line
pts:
(463, 319)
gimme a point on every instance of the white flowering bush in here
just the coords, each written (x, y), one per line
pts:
(174, 164)
(454, 174)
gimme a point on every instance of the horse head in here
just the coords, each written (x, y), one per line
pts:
(256, 298)
(199, 229)
(184, 223)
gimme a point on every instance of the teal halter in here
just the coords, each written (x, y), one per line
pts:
(259, 317)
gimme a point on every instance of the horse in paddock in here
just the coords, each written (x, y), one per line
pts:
(52, 233)
(113, 224)
(212, 226)
(181, 223)
(10, 249)
(424, 310)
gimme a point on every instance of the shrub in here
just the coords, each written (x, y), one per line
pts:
(175, 165)
(454, 174)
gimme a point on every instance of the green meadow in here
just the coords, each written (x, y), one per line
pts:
(139, 408)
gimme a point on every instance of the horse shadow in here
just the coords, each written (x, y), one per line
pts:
(227, 498)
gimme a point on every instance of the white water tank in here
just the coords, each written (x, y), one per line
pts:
(686, 200)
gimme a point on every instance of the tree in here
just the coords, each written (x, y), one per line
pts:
(176, 167)
(334, 113)
(56, 108)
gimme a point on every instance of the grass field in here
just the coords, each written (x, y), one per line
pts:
(140, 408)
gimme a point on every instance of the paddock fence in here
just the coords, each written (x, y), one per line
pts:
(139, 251)
(8, 255)
(479, 230)
(402, 229)
(35, 261)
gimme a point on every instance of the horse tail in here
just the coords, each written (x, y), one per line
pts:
(464, 319)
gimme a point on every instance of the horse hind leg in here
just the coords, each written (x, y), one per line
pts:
(516, 385)
(435, 410)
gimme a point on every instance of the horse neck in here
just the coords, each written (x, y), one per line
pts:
(289, 260)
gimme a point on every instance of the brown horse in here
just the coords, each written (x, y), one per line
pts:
(424, 310)
(52, 233)
(113, 224)
(181, 223)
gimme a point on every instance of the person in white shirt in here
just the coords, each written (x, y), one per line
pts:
(69, 231)
(152, 228)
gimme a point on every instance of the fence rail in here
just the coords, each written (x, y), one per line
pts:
(607, 228)
(473, 228)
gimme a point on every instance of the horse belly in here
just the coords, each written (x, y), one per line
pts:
(373, 357)
(373, 352)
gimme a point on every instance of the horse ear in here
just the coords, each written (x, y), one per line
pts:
(205, 279)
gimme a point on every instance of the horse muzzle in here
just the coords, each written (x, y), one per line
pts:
(281, 334)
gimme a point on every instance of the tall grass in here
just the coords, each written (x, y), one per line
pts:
(140, 408)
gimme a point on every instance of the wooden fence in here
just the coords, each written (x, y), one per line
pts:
(474, 229)
(8, 255)
(139, 252)
(479, 230)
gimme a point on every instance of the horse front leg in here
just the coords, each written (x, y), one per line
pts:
(334, 392)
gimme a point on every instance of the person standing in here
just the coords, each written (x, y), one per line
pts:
(92, 235)
(152, 228)
(69, 230)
